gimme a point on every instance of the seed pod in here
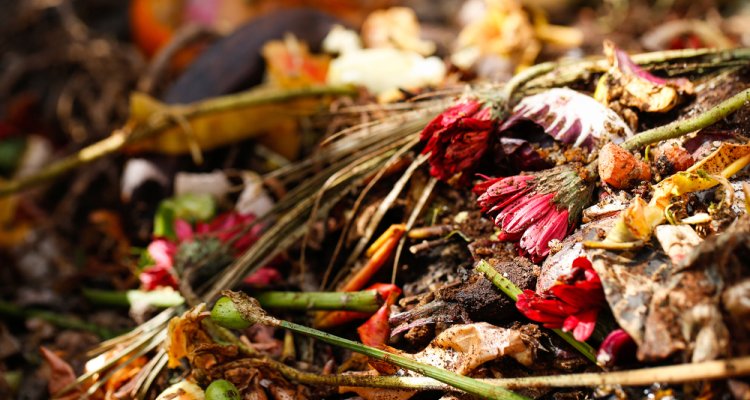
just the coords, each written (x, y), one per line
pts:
(222, 390)
(225, 314)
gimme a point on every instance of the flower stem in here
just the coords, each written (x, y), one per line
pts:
(248, 310)
(157, 298)
(363, 301)
(62, 321)
(671, 374)
(132, 133)
(512, 291)
(679, 128)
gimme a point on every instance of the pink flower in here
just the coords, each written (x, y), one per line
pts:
(160, 274)
(535, 209)
(264, 276)
(229, 227)
(457, 139)
(572, 304)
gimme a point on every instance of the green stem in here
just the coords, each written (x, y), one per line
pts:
(469, 385)
(62, 321)
(363, 301)
(700, 121)
(159, 298)
(107, 297)
(121, 137)
(501, 282)
(512, 291)
(249, 311)
(566, 73)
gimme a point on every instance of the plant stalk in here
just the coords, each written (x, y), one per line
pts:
(248, 310)
(363, 301)
(161, 298)
(132, 133)
(679, 128)
(512, 291)
(62, 321)
(672, 374)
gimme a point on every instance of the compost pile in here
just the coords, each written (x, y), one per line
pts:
(259, 201)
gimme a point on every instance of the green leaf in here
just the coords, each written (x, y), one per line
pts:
(11, 151)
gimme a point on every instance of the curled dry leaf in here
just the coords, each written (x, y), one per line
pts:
(61, 375)
(463, 348)
(571, 117)
(632, 86)
(187, 338)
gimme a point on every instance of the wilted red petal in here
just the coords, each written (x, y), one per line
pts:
(159, 275)
(162, 251)
(183, 230)
(482, 186)
(581, 287)
(617, 348)
(457, 139)
(387, 291)
(525, 213)
(376, 331)
(466, 150)
(494, 192)
(446, 119)
(535, 241)
(263, 277)
(550, 312)
(572, 304)
(512, 199)
(582, 324)
(627, 66)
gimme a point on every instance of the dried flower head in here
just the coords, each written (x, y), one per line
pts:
(229, 228)
(534, 209)
(458, 138)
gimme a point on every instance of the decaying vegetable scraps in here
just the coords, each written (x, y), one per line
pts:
(585, 221)
(602, 286)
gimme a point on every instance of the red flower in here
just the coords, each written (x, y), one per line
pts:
(572, 304)
(458, 138)
(534, 209)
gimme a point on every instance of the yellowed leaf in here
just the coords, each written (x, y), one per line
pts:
(216, 129)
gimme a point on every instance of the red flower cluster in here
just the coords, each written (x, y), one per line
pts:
(227, 227)
(534, 209)
(572, 304)
(458, 138)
